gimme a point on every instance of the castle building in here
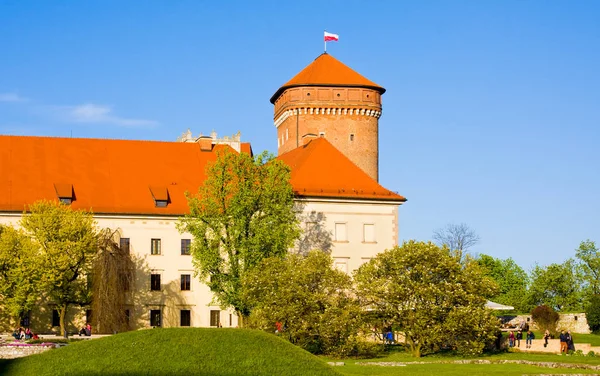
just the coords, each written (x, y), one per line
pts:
(138, 189)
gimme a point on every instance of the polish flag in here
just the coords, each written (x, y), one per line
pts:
(331, 37)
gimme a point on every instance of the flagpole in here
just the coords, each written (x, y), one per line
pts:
(324, 41)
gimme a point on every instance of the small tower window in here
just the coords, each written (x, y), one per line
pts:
(308, 94)
(322, 134)
(351, 136)
(338, 94)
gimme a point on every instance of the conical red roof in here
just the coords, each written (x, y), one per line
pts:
(326, 70)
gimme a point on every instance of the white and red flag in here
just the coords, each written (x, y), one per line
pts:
(329, 37)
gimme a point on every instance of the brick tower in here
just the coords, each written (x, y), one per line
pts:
(329, 99)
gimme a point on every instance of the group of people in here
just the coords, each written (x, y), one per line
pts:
(86, 330)
(515, 340)
(566, 342)
(25, 334)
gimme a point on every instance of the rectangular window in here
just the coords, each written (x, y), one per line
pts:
(186, 246)
(55, 317)
(369, 233)
(341, 265)
(155, 247)
(26, 319)
(340, 232)
(155, 319)
(215, 317)
(321, 134)
(127, 316)
(155, 282)
(185, 318)
(88, 316)
(185, 282)
(351, 136)
(124, 244)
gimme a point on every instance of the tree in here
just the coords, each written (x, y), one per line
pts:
(592, 313)
(314, 234)
(428, 292)
(19, 273)
(545, 318)
(112, 276)
(457, 237)
(66, 243)
(242, 214)
(512, 281)
(312, 302)
(556, 286)
(589, 257)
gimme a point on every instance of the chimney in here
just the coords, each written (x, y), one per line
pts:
(205, 143)
(308, 138)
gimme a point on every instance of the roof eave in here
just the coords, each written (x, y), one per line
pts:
(278, 93)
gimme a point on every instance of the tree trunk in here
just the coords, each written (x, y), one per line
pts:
(240, 320)
(63, 320)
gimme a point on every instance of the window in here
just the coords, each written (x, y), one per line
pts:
(230, 320)
(155, 282)
(66, 200)
(88, 315)
(215, 317)
(340, 232)
(369, 233)
(341, 265)
(26, 319)
(351, 136)
(124, 244)
(155, 319)
(127, 316)
(185, 317)
(186, 246)
(55, 317)
(321, 134)
(161, 203)
(155, 247)
(185, 282)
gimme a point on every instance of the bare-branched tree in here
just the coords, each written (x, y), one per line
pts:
(458, 237)
(112, 277)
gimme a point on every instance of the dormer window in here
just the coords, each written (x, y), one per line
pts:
(65, 193)
(160, 195)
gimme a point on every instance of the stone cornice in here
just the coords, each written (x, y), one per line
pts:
(321, 110)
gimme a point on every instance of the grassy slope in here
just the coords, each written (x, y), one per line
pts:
(176, 351)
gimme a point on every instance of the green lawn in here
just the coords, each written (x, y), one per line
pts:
(175, 351)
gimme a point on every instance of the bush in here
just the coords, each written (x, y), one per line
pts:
(593, 314)
(591, 354)
(545, 317)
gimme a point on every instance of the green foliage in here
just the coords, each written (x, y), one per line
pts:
(242, 214)
(174, 351)
(311, 300)
(430, 295)
(546, 318)
(557, 286)
(592, 313)
(512, 281)
(66, 243)
(19, 272)
(589, 267)
(591, 354)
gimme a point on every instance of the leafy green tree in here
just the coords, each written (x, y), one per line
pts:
(428, 293)
(512, 281)
(242, 214)
(66, 244)
(312, 302)
(589, 264)
(556, 286)
(19, 273)
(592, 313)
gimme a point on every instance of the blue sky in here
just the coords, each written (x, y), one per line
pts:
(491, 115)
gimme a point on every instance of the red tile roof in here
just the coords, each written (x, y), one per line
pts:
(326, 70)
(321, 170)
(125, 176)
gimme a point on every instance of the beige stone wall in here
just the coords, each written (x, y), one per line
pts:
(575, 322)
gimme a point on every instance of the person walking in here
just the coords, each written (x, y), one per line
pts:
(511, 339)
(529, 339)
(546, 337)
(570, 344)
(519, 338)
(563, 342)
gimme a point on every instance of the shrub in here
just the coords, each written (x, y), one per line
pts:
(593, 314)
(591, 354)
(545, 317)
